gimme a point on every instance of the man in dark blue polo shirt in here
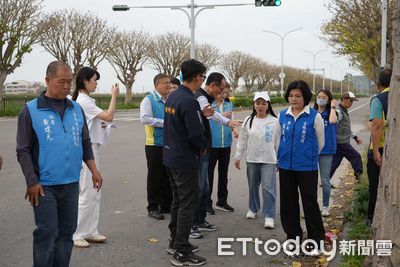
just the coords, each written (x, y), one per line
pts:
(184, 143)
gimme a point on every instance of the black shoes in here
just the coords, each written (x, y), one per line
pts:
(224, 207)
(189, 259)
(171, 250)
(155, 214)
(210, 211)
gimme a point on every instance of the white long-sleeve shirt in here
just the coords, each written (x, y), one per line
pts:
(260, 142)
(146, 113)
(217, 116)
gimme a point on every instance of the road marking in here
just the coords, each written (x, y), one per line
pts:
(357, 108)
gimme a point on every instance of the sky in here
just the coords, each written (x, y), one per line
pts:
(227, 28)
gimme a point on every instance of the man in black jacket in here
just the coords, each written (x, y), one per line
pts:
(184, 144)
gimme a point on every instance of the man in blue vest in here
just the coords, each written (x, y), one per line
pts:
(377, 116)
(159, 194)
(52, 141)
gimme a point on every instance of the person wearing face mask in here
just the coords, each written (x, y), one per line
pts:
(326, 106)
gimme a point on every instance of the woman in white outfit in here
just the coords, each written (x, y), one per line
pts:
(259, 136)
(89, 198)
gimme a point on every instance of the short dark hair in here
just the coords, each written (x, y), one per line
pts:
(83, 74)
(175, 81)
(159, 77)
(303, 87)
(215, 77)
(191, 68)
(52, 68)
(384, 78)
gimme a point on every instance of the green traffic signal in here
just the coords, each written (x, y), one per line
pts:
(259, 3)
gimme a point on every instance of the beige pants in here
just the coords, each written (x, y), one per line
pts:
(89, 202)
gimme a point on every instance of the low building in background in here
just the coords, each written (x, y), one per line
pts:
(24, 87)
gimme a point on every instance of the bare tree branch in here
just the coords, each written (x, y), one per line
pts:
(234, 66)
(208, 54)
(19, 30)
(168, 51)
(77, 39)
(127, 54)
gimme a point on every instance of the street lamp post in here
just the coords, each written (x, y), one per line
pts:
(323, 76)
(282, 74)
(384, 31)
(192, 15)
(314, 56)
(331, 68)
(341, 80)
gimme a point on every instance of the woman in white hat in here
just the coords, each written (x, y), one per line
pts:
(258, 136)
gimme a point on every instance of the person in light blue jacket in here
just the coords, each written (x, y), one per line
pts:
(220, 152)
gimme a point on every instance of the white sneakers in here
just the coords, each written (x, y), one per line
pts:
(269, 223)
(325, 211)
(81, 243)
(251, 215)
(96, 239)
(84, 243)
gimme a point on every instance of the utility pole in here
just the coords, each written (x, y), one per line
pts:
(384, 30)
(314, 56)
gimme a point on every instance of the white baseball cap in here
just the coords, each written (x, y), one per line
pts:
(350, 95)
(264, 95)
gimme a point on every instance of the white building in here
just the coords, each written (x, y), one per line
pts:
(22, 87)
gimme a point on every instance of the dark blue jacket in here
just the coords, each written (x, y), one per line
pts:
(183, 130)
(298, 148)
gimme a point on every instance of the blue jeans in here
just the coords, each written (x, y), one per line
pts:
(325, 163)
(201, 210)
(264, 174)
(55, 218)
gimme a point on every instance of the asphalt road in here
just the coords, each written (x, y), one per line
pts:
(123, 216)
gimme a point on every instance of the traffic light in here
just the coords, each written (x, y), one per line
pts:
(268, 3)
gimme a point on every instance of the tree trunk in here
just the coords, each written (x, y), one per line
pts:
(128, 95)
(387, 210)
(3, 76)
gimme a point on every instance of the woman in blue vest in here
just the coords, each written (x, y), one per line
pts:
(221, 141)
(326, 106)
(258, 137)
(301, 140)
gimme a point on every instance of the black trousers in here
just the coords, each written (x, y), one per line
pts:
(373, 171)
(184, 183)
(159, 194)
(307, 182)
(222, 156)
